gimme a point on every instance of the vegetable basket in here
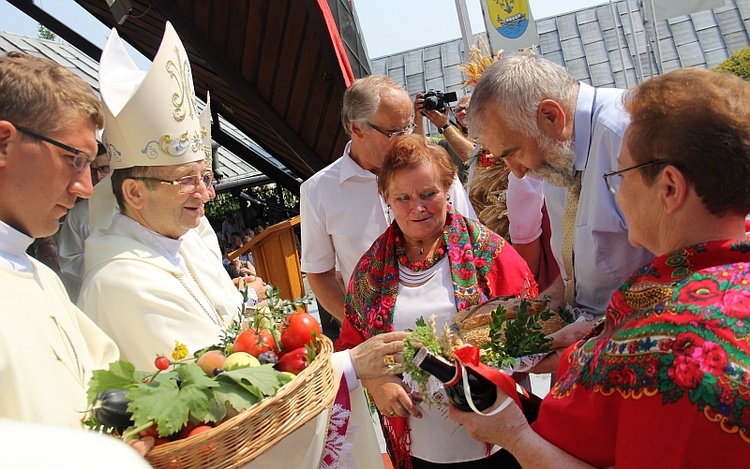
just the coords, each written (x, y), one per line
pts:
(242, 438)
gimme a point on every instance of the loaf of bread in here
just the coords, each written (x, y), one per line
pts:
(472, 324)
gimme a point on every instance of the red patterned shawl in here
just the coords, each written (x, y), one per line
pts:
(665, 381)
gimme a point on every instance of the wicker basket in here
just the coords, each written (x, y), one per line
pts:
(246, 436)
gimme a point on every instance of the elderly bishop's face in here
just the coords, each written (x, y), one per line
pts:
(166, 209)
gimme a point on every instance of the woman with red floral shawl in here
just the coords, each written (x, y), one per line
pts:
(664, 381)
(430, 261)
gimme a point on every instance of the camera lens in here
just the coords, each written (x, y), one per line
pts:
(431, 103)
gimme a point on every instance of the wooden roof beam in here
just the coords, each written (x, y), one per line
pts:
(247, 93)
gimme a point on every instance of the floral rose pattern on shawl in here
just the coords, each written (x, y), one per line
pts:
(678, 328)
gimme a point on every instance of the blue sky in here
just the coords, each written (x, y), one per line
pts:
(410, 23)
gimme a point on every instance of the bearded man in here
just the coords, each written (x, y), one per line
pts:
(563, 134)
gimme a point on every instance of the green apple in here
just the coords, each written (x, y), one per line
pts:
(239, 360)
(285, 377)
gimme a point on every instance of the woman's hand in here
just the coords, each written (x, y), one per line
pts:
(391, 397)
(509, 429)
(504, 429)
(369, 357)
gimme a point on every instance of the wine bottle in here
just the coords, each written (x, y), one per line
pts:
(483, 392)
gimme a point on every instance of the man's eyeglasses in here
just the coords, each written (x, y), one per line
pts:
(613, 183)
(391, 135)
(101, 169)
(80, 159)
(188, 184)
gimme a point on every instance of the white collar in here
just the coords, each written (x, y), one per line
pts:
(584, 118)
(13, 245)
(169, 248)
(350, 168)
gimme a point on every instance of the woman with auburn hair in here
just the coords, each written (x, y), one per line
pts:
(430, 261)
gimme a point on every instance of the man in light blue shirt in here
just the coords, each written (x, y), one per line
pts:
(544, 123)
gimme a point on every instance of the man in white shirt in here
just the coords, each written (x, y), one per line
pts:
(341, 212)
(48, 347)
(572, 130)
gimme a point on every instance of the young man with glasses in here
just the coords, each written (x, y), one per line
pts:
(75, 230)
(150, 277)
(48, 120)
(340, 209)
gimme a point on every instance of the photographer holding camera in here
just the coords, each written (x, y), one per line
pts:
(434, 106)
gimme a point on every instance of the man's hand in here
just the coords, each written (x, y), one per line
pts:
(561, 340)
(438, 119)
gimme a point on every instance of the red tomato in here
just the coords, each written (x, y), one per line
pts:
(161, 440)
(209, 448)
(150, 431)
(254, 343)
(293, 361)
(199, 429)
(298, 330)
(185, 432)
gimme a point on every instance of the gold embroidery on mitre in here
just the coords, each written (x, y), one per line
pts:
(184, 97)
(173, 146)
(644, 295)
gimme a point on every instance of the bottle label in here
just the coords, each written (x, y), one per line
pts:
(439, 413)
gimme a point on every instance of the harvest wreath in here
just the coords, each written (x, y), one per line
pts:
(506, 330)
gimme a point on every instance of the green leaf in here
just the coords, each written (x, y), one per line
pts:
(424, 334)
(170, 406)
(232, 393)
(260, 381)
(119, 374)
(159, 402)
(192, 375)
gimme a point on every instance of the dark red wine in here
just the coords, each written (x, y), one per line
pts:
(483, 391)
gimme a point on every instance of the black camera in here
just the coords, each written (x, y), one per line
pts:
(436, 100)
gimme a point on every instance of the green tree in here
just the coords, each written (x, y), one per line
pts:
(45, 33)
(221, 205)
(738, 63)
(224, 203)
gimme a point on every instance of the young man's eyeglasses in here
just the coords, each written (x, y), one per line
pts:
(188, 184)
(613, 183)
(391, 135)
(80, 159)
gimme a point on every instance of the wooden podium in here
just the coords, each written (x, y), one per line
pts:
(276, 258)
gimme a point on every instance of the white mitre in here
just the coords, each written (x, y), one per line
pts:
(151, 118)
